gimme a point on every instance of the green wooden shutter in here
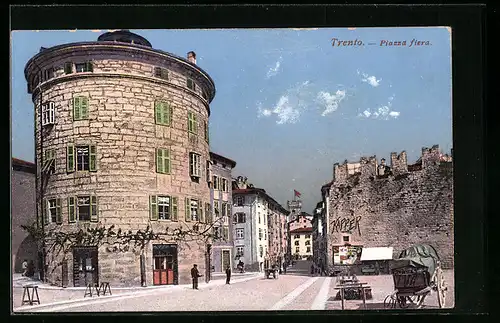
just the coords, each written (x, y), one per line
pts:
(174, 204)
(190, 124)
(84, 107)
(153, 208)
(200, 211)
(159, 112)
(71, 209)
(159, 160)
(166, 114)
(94, 212)
(228, 205)
(45, 212)
(170, 114)
(225, 233)
(90, 67)
(93, 158)
(68, 68)
(207, 213)
(76, 108)
(189, 84)
(187, 210)
(70, 158)
(166, 161)
(58, 211)
(195, 123)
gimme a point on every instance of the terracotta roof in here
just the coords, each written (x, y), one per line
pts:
(224, 159)
(22, 165)
(302, 230)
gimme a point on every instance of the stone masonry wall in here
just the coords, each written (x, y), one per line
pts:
(395, 211)
(122, 124)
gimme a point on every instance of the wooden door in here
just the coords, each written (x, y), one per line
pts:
(160, 270)
(85, 266)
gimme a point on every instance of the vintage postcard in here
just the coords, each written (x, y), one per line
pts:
(232, 170)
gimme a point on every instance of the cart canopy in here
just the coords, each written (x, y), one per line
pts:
(422, 255)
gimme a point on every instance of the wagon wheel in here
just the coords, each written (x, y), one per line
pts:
(402, 302)
(406, 301)
(390, 301)
(441, 288)
(420, 300)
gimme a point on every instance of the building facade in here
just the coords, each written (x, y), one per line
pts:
(253, 210)
(318, 236)
(222, 253)
(23, 212)
(302, 247)
(390, 206)
(122, 140)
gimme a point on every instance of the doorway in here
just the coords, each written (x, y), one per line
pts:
(85, 266)
(226, 259)
(165, 264)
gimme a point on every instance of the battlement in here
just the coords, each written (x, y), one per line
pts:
(369, 167)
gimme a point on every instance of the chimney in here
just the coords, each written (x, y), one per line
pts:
(191, 56)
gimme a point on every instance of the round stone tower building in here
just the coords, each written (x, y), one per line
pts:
(121, 140)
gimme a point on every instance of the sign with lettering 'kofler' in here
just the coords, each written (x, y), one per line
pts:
(346, 224)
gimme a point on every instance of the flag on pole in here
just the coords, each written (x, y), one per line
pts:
(297, 193)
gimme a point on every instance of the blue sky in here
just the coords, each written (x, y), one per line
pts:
(288, 103)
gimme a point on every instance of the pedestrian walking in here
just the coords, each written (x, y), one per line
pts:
(312, 269)
(228, 275)
(284, 268)
(25, 267)
(195, 274)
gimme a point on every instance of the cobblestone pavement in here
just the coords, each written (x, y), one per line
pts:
(294, 291)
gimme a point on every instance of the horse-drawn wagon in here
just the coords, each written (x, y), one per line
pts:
(416, 273)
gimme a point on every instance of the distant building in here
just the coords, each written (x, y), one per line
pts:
(23, 212)
(301, 243)
(221, 195)
(253, 211)
(319, 236)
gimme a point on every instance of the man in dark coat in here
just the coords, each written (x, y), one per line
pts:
(228, 275)
(194, 275)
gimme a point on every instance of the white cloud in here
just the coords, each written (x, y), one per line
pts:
(290, 105)
(273, 71)
(382, 113)
(372, 80)
(330, 101)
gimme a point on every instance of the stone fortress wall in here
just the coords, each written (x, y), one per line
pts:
(406, 205)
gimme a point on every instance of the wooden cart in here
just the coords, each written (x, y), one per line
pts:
(416, 273)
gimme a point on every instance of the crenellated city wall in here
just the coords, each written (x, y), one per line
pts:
(396, 205)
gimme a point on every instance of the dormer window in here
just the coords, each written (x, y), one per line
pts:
(191, 85)
(47, 74)
(161, 73)
(48, 114)
(83, 67)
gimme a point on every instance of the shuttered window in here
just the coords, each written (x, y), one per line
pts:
(163, 161)
(192, 123)
(194, 165)
(161, 73)
(190, 84)
(80, 108)
(68, 68)
(71, 209)
(52, 211)
(81, 158)
(205, 124)
(163, 207)
(208, 213)
(163, 113)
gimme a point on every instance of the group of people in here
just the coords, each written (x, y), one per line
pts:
(195, 274)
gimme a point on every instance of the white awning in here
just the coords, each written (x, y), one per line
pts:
(380, 253)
